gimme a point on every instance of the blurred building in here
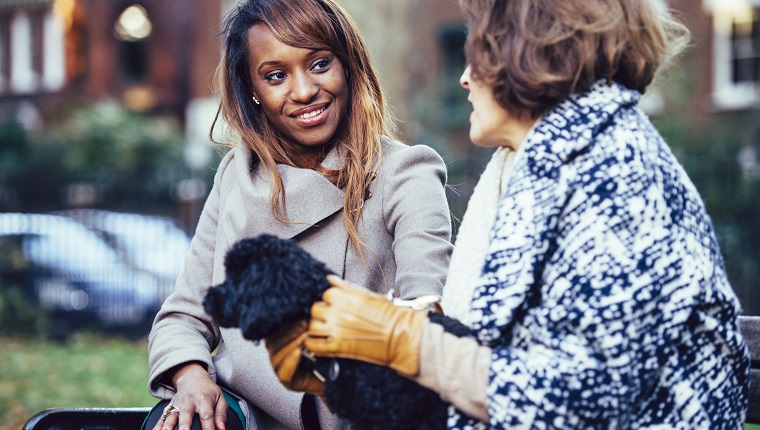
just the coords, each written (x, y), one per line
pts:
(730, 32)
(154, 56)
(158, 56)
(720, 75)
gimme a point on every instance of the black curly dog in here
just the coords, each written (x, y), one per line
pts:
(271, 282)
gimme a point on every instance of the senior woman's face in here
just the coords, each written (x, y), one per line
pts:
(490, 124)
(303, 92)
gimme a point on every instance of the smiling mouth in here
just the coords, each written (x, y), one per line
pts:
(311, 114)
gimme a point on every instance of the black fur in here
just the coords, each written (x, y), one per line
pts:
(271, 282)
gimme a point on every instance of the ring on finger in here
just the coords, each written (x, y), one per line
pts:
(170, 409)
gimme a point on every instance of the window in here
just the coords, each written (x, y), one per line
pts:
(23, 77)
(32, 49)
(54, 52)
(745, 47)
(132, 29)
(4, 50)
(736, 53)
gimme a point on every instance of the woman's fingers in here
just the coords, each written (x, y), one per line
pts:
(347, 297)
(211, 413)
(208, 414)
(221, 417)
(318, 312)
(185, 419)
(169, 419)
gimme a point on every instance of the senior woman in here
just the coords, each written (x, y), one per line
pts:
(599, 297)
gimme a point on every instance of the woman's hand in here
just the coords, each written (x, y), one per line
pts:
(285, 348)
(352, 322)
(196, 393)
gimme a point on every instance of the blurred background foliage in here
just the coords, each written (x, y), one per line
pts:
(100, 153)
(720, 157)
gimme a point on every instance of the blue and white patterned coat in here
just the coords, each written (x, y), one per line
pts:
(604, 295)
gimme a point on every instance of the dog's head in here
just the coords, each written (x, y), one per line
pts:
(269, 282)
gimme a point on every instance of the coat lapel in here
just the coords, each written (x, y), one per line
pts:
(310, 197)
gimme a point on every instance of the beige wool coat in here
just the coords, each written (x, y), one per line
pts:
(405, 223)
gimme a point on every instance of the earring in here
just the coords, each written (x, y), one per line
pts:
(255, 100)
(346, 73)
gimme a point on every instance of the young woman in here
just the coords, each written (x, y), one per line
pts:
(600, 298)
(313, 163)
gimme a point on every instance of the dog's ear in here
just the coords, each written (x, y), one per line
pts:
(240, 257)
(221, 303)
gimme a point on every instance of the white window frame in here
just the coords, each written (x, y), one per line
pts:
(4, 59)
(729, 95)
(23, 78)
(54, 52)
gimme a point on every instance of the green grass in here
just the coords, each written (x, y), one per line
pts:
(88, 371)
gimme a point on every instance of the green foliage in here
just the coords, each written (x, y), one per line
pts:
(106, 140)
(19, 313)
(13, 150)
(121, 149)
(128, 157)
(732, 201)
(86, 372)
(19, 317)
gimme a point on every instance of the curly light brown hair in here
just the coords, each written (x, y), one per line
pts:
(311, 24)
(535, 53)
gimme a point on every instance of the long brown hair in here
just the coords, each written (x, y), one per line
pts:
(534, 53)
(311, 24)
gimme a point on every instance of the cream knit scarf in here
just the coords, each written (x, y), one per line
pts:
(472, 240)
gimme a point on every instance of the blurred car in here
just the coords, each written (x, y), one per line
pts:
(147, 242)
(77, 278)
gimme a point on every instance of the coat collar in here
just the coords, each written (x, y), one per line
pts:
(571, 126)
(310, 197)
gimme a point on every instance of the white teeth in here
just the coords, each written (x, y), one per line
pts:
(312, 113)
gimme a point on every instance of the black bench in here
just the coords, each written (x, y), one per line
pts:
(132, 418)
(750, 328)
(88, 419)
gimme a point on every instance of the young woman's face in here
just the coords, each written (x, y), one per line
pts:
(303, 92)
(490, 124)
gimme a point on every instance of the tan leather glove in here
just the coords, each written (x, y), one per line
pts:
(285, 349)
(352, 322)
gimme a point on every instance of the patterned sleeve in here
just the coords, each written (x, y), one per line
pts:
(602, 277)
